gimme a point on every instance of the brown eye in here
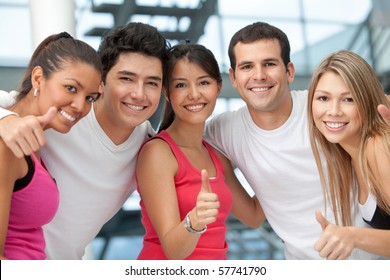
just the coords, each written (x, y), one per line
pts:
(71, 89)
(92, 99)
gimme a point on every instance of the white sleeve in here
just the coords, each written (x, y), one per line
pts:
(6, 100)
(5, 112)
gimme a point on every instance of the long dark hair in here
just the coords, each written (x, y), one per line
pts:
(51, 54)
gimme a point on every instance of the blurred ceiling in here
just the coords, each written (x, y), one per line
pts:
(315, 28)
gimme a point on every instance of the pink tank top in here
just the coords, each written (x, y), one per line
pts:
(31, 207)
(212, 244)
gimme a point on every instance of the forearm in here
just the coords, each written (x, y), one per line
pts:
(371, 240)
(178, 243)
(249, 212)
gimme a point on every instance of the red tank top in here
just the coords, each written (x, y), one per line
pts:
(212, 244)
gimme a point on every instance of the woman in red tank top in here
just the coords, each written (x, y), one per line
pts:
(187, 188)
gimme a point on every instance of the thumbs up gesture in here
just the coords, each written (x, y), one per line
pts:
(207, 204)
(385, 112)
(25, 135)
(335, 242)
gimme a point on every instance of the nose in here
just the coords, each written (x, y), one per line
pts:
(259, 73)
(80, 103)
(138, 91)
(334, 108)
(194, 93)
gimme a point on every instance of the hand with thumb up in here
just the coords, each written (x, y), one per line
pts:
(24, 136)
(206, 210)
(336, 242)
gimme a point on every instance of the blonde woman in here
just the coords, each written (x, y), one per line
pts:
(351, 144)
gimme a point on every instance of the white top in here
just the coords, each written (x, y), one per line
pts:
(280, 167)
(368, 208)
(95, 177)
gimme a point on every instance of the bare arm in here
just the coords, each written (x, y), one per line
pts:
(25, 135)
(9, 173)
(245, 208)
(337, 242)
(158, 192)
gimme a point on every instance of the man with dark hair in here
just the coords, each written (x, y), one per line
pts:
(268, 139)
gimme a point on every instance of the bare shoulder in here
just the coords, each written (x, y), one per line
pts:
(221, 156)
(155, 148)
(378, 157)
(6, 155)
(10, 165)
(157, 156)
(376, 149)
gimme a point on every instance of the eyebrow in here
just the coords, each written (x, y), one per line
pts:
(327, 92)
(129, 73)
(271, 59)
(198, 78)
(244, 62)
(74, 80)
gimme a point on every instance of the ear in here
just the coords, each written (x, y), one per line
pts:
(36, 77)
(101, 89)
(219, 87)
(290, 72)
(165, 92)
(232, 77)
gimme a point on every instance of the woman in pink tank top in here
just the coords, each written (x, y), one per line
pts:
(187, 188)
(61, 82)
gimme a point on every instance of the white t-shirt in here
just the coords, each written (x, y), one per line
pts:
(280, 168)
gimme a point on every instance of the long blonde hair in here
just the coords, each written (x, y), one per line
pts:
(333, 162)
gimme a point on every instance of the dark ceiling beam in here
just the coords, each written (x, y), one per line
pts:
(123, 12)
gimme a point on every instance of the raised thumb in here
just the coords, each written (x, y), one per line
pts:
(205, 182)
(321, 219)
(48, 117)
(385, 113)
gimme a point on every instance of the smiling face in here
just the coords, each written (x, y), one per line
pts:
(334, 111)
(132, 93)
(260, 75)
(71, 90)
(192, 92)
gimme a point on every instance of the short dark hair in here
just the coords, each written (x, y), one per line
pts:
(132, 37)
(259, 31)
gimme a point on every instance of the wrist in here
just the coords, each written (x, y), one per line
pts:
(352, 235)
(188, 226)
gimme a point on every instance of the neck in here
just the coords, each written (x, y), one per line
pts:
(351, 147)
(115, 132)
(26, 106)
(272, 118)
(186, 135)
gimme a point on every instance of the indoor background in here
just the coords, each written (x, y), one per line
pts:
(315, 28)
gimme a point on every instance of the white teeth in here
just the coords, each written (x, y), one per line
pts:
(195, 107)
(135, 107)
(67, 116)
(260, 89)
(335, 125)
